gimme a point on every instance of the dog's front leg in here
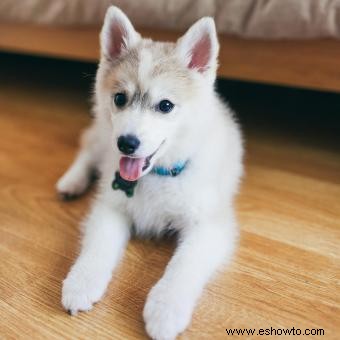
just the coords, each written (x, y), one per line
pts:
(170, 303)
(105, 236)
(78, 177)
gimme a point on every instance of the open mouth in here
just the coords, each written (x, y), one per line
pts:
(132, 168)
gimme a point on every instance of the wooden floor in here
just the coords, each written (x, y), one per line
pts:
(285, 273)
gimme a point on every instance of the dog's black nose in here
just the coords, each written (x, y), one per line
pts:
(128, 144)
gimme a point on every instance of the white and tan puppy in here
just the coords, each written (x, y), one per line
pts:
(169, 154)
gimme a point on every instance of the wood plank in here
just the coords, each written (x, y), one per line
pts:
(304, 63)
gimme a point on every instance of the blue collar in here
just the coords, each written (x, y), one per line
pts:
(173, 171)
(129, 186)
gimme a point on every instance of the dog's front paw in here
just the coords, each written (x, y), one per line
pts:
(79, 293)
(72, 184)
(166, 314)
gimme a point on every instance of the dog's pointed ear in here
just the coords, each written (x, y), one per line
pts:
(198, 47)
(117, 35)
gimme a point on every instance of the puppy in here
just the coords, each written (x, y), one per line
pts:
(169, 154)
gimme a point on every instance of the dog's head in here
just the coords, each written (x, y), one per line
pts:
(148, 88)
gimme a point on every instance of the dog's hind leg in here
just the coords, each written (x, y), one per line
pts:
(78, 177)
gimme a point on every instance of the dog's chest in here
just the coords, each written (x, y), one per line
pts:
(157, 205)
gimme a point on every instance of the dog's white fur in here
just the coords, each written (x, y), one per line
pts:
(198, 203)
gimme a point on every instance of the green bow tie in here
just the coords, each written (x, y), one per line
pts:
(120, 183)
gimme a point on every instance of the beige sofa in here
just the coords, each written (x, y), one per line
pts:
(290, 42)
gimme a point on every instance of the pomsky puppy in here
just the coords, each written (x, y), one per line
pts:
(169, 154)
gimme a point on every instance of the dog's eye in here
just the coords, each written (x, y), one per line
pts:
(165, 106)
(120, 99)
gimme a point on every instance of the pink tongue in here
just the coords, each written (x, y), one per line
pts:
(131, 168)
